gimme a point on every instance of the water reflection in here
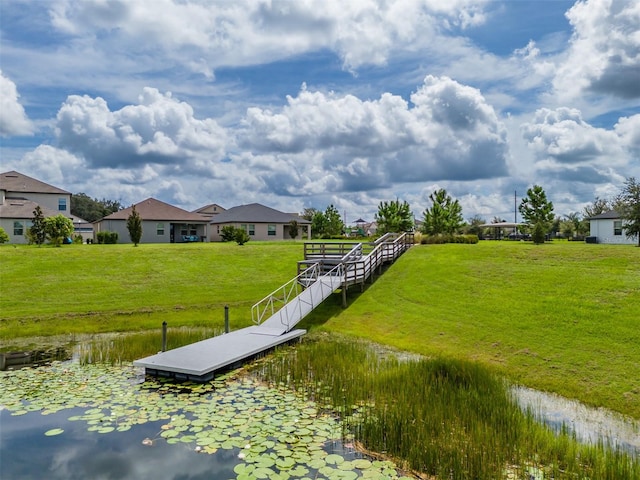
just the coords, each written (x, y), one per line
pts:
(33, 358)
(26, 453)
(589, 424)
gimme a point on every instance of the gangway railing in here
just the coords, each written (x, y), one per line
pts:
(326, 267)
(297, 288)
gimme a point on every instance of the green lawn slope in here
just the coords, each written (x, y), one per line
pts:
(562, 317)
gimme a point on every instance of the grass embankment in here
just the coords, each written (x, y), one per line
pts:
(560, 317)
(108, 288)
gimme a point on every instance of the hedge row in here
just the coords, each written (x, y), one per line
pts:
(439, 239)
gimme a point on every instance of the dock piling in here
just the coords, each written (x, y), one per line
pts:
(164, 336)
(226, 319)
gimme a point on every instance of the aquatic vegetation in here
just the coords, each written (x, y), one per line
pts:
(444, 417)
(273, 433)
(115, 349)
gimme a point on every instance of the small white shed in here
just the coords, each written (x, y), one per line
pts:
(607, 228)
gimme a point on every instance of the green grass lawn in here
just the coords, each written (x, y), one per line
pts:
(562, 317)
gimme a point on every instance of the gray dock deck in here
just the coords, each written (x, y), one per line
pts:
(200, 361)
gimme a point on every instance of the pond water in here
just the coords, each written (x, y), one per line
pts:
(67, 421)
(590, 425)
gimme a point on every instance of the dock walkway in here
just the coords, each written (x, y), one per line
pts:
(326, 268)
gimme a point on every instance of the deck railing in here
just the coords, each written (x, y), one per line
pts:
(277, 299)
(352, 263)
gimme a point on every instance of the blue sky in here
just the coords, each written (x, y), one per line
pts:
(298, 104)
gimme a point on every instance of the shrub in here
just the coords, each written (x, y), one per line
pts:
(228, 233)
(446, 238)
(107, 237)
(241, 236)
(4, 237)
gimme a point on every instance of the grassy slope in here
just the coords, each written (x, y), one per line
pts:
(561, 317)
(102, 288)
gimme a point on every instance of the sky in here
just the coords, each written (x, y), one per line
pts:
(305, 103)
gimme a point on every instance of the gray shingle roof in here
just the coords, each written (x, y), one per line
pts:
(610, 215)
(152, 209)
(20, 208)
(19, 183)
(256, 213)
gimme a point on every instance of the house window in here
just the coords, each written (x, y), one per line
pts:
(18, 228)
(243, 226)
(184, 230)
(271, 230)
(617, 227)
(252, 229)
(192, 230)
(62, 204)
(160, 229)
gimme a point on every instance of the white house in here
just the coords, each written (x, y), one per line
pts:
(607, 228)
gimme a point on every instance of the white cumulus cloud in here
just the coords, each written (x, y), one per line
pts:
(13, 119)
(243, 32)
(448, 131)
(158, 130)
(604, 53)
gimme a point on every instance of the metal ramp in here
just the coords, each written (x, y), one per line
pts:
(295, 299)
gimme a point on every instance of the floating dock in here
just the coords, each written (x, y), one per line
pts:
(201, 360)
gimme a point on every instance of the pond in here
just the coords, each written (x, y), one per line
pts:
(67, 421)
(64, 420)
(590, 425)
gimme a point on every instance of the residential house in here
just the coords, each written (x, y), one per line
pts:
(19, 197)
(260, 222)
(607, 228)
(161, 223)
(209, 210)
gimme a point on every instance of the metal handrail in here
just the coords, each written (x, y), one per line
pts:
(351, 266)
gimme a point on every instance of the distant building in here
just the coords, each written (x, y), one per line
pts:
(607, 228)
(19, 197)
(260, 222)
(161, 223)
(210, 210)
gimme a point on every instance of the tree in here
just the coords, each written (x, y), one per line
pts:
(537, 211)
(444, 216)
(308, 213)
(90, 209)
(628, 207)
(335, 225)
(58, 228)
(573, 226)
(599, 205)
(318, 224)
(241, 236)
(473, 225)
(37, 229)
(228, 233)
(134, 225)
(293, 229)
(4, 236)
(394, 217)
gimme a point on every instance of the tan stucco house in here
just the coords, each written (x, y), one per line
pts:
(260, 222)
(19, 197)
(161, 223)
